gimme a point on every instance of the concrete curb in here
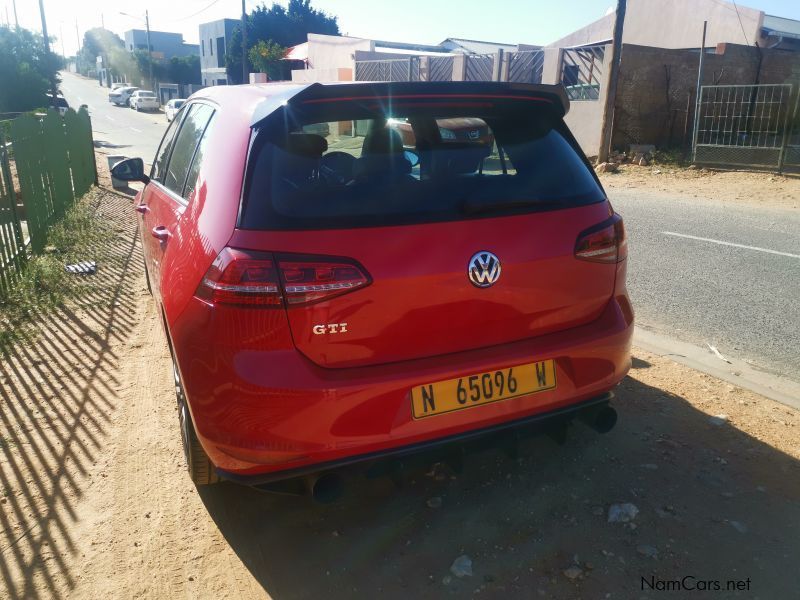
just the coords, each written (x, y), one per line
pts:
(738, 372)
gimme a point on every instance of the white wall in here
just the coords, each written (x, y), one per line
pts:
(674, 24)
(333, 52)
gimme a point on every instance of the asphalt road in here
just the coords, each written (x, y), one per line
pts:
(699, 271)
(707, 273)
(116, 129)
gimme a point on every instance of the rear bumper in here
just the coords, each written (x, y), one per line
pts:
(268, 415)
(496, 435)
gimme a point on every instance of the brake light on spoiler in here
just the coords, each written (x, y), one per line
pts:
(264, 279)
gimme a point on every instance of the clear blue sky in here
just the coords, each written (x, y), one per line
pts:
(512, 21)
(420, 21)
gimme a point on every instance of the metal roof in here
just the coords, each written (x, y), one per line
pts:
(477, 46)
(781, 26)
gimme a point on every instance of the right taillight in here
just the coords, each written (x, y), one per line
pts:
(603, 243)
(248, 278)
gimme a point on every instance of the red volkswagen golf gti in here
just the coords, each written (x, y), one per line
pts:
(332, 297)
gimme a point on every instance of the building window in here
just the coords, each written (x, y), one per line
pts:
(220, 51)
(211, 46)
(203, 46)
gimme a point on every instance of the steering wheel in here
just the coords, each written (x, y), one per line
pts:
(337, 167)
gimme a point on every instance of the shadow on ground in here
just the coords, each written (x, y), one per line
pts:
(56, 397)
(714, 504)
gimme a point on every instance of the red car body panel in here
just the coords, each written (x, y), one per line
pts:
(266, 395)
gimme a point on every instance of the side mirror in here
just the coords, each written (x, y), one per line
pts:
(130, 169)
(411, 157)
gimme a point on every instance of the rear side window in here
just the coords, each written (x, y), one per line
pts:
(192, 128)
(411, 168)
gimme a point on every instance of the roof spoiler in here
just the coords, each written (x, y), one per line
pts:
(555, 95)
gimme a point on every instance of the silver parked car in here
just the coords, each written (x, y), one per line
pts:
(172, 107)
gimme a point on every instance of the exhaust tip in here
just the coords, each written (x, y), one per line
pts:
(602, 419)
(605, 420)
(327, 488)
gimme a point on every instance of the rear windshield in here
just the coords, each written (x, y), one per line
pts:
(411, 167)
(146, 95)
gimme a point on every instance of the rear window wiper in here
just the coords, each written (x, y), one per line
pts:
(475, 208)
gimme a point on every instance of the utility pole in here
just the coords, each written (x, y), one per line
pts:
(16, 19)
(611, 94)
(244, 43)
(149, 49)
(61, 36)
(699, 87)
(53, 86)
(78, 51)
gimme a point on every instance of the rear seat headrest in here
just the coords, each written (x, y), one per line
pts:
(308, 145)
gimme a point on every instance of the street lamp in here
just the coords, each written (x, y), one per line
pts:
(149, 46)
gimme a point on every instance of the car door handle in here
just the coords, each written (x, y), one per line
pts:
(142, 208)
(160, 233)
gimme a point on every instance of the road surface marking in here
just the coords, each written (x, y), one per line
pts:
(110, 118)
(756, 248)
(136, 130)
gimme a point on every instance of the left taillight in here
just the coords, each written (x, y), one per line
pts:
(603, 243)
(244, 278)
(251, 278)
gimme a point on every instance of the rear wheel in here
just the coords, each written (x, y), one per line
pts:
(200, 468)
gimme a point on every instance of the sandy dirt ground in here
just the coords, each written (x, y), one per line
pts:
(95, 501)
(755, 188)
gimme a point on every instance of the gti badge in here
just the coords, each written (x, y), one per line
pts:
(329, 328)
(483, 269)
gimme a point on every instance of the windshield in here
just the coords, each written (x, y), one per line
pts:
(146, 95)
(411, 168)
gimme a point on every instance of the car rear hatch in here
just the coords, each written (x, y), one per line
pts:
(473, 247)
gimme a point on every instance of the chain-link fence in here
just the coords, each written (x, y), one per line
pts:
(746, 125)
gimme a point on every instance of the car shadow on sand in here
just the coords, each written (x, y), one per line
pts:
(713, 504)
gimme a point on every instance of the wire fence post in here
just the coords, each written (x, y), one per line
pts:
(697, 101)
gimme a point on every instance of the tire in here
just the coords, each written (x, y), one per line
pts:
(201, 469)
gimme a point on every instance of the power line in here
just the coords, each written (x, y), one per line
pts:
(198, 12)
(738, 16)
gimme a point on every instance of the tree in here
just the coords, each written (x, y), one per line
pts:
(282, 26)
(184, 69)
(100, 42)
(25, 70)
(264, 56)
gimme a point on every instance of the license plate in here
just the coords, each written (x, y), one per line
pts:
(474, 390)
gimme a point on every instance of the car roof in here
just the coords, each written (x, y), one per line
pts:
(255, 102)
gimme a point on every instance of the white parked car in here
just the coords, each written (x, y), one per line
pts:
(172, 107)
(143, 100)
(121, 95)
